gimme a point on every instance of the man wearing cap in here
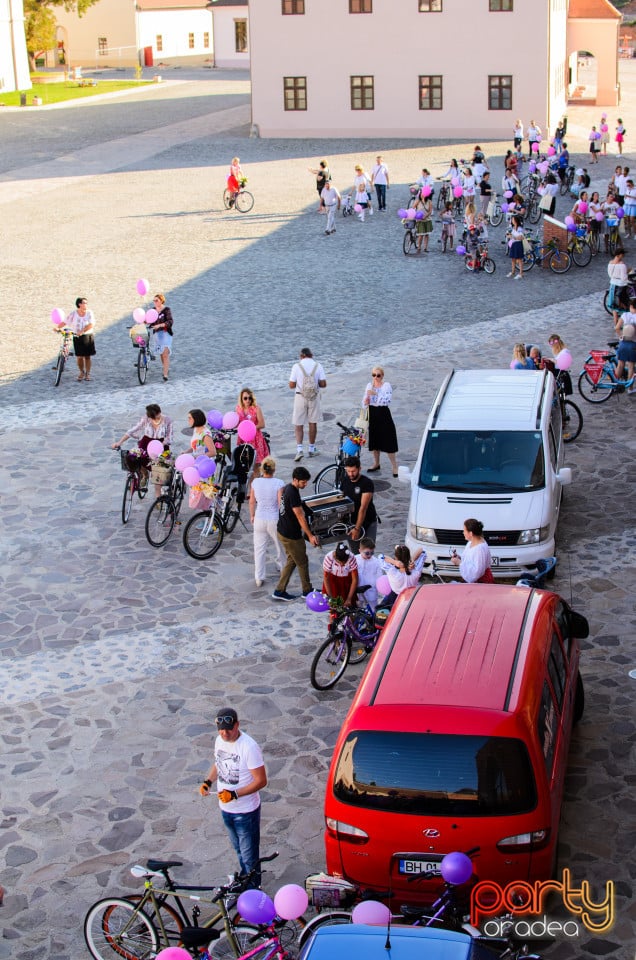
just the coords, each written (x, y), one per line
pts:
(359, 489)
(239, 772)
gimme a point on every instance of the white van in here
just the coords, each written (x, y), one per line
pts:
(492, 449)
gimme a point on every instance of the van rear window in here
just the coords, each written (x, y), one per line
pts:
(435, 774)
(485, 462)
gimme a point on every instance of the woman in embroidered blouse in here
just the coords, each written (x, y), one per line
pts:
(382, 435)
(201, 441)
(474, 565)
(248, 409)
(154, 426)
(82, 323)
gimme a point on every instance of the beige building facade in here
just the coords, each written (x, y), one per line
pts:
(409, 68)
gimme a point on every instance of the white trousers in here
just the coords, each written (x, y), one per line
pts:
(264, 532)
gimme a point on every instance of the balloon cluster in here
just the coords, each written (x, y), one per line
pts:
(570, 224)
(290, 902)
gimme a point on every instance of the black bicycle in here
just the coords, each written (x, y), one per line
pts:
(331, 476)
(64, 353)
(164, 512)
(571, 416)
(134, 484)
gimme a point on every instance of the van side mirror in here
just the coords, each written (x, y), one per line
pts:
(404, 475)
(564, 476)
(579, 627)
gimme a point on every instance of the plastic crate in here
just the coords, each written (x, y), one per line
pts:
(324, 890)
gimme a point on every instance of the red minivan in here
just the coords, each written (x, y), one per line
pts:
(457, 738)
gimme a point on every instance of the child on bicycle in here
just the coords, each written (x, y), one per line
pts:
(235, 179)
(340, 575)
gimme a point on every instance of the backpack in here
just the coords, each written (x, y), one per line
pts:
(309, 388)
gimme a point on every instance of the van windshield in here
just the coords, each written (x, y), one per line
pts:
(435, 774)
(499, 460)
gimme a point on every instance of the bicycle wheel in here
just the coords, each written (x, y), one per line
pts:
(227, 198)
(232, 511)
(362, 622)
(142, 366)
(528, 261)
(129, 493)
(614, 241)
(160, 521)
(606, 305)
(581, 253)
(330, 662)
(177, 494)
(572, 421)
(441, 199)
(322, 920)
(116, 926)
(203, 535)
(167, 917)
(560, 262)
(247, 938)
(471, 262)
(488, 265)
(59, 368)
(596, 393)
(244, 201)
(496, 216)
(329, 478)
(409, 246)
(534, 211)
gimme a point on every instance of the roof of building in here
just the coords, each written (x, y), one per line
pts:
(593, 10)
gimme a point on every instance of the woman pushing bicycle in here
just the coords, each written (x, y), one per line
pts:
(154, 426)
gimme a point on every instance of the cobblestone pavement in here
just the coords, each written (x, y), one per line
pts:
(115, 656)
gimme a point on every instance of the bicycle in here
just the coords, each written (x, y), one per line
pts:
(136, 927)
(494, 211)
(63, 354)
(533, 210)
(568, 179)
(598, 380)
(559, 261)
(133, 484)
(164, 512)
(351, 636)
(579, 247)
(630, 294)
(243, 200)
(331, 476)
(478, 259)
(409, 243)
(141, 343)
(571, 416)
(613, 241)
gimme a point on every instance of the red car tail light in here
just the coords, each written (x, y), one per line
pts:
(525, 842)
(345, 831)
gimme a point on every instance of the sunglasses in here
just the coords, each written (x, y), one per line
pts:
(366, 553)
(226, 719)
(377, 376)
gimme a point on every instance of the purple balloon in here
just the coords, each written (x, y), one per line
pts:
(532, 168)
(505, 207)
(456, 868)
(620, 213)
(571, 227)
(317, 601)
(599, 215)
(256, 907)
(206, 467)
(401, 213)
(419, 214)
(215, 419)
(461, 250)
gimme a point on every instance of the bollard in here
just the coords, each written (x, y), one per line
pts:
(23, 100)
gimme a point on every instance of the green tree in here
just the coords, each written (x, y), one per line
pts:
(40, 23)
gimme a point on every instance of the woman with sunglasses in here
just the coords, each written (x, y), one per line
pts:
(248, 409)
(382, 435)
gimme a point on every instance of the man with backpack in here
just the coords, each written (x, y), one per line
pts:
(306, 379)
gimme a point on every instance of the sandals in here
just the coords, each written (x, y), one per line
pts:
(81, 376)
(87, 377)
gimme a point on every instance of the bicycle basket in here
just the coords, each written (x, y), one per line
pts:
(130, 461)
(139, 332)
(162, 473)
(581, 231)
(612, 221)
(326, 891)
(594, 371)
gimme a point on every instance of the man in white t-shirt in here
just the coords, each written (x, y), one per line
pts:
(380, 180)
(307, 379)
(240, 773)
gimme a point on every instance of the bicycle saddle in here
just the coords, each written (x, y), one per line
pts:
(612, 343)
(163, 864)
(198, 936)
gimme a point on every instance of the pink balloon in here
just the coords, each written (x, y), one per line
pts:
(230, 420)
(535, 147)
(599, 215)
(371, 912)
(58, 316)
(426, 191)
(569, 220)
(154, 449)
(357, 208)
(142, 287)
(457, 191)
(151, 315)
(383, 586)
(410, 214)
(583, 207)
(246, 431)
(291, 901)
(508, 194)
(191, 476)
(184, 461)
(563, 360)
(139, 314)
(455, 182)
(551, 151)
(173, 953)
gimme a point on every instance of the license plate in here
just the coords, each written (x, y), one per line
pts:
(494, 561)
(419, 867)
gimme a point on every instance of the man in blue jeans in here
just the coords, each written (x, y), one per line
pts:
(239, 772)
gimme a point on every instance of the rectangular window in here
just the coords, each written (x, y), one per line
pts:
(159, 43)
(240, 36)
(206, 40)
(360, 6)
(362, 93)
(293, 6)
(431, 92)
(191, 41)
(500, 92)
(295, 93)
(102, 46)
(497, 6)
(430, 6)
(547, 726)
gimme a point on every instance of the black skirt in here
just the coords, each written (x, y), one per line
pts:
(84, 346)
(382, 435)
